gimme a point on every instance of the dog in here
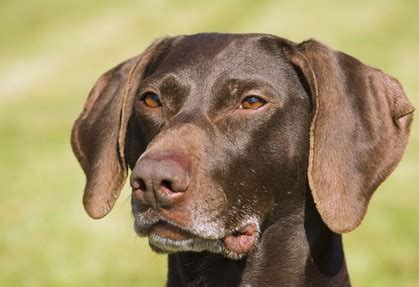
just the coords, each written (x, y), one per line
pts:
(249, 154)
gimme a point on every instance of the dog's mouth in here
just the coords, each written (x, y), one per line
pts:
(166, 237)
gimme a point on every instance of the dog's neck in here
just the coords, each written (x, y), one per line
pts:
(299, 250)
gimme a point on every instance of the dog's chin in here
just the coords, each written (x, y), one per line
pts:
(165, 237)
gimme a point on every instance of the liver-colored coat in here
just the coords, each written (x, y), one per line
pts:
(249, 154)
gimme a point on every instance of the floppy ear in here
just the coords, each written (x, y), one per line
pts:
(98, 135)
(359, 131)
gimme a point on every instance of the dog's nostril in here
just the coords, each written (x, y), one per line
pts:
(167, 184)
(141, 185)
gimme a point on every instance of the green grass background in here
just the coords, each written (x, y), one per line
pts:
(51, 53)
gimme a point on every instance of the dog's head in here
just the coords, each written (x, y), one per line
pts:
(224, 132)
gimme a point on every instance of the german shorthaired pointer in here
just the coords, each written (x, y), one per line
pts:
(249, 154)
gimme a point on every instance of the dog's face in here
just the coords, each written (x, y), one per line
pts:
(229, 122)
(224, 132)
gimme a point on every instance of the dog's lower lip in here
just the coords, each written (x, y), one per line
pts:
(165, 236)
(242, 240)
(169, 231)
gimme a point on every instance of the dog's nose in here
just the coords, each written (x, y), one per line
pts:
(160, 181)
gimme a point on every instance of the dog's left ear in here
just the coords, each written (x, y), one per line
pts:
(359, 131)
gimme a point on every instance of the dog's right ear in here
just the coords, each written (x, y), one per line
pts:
(98, 135)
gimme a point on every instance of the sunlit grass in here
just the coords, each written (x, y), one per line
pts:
(53, 51)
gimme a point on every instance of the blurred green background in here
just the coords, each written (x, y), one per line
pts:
(53, 51)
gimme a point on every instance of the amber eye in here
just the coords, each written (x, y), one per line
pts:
(151, 100)
(252, 102)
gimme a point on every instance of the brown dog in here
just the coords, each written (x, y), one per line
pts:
(250, 154)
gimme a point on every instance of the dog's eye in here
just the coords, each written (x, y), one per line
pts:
(252, 102)
(151, 100)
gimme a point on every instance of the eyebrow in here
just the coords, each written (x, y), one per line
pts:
(172, 85)
(236, 87)
(168, 84)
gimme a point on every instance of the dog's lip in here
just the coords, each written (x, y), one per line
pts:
(236, 243)
(168, 236)
(242, 240)
(170, 231)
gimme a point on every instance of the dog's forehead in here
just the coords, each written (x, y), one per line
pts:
(233, 55)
